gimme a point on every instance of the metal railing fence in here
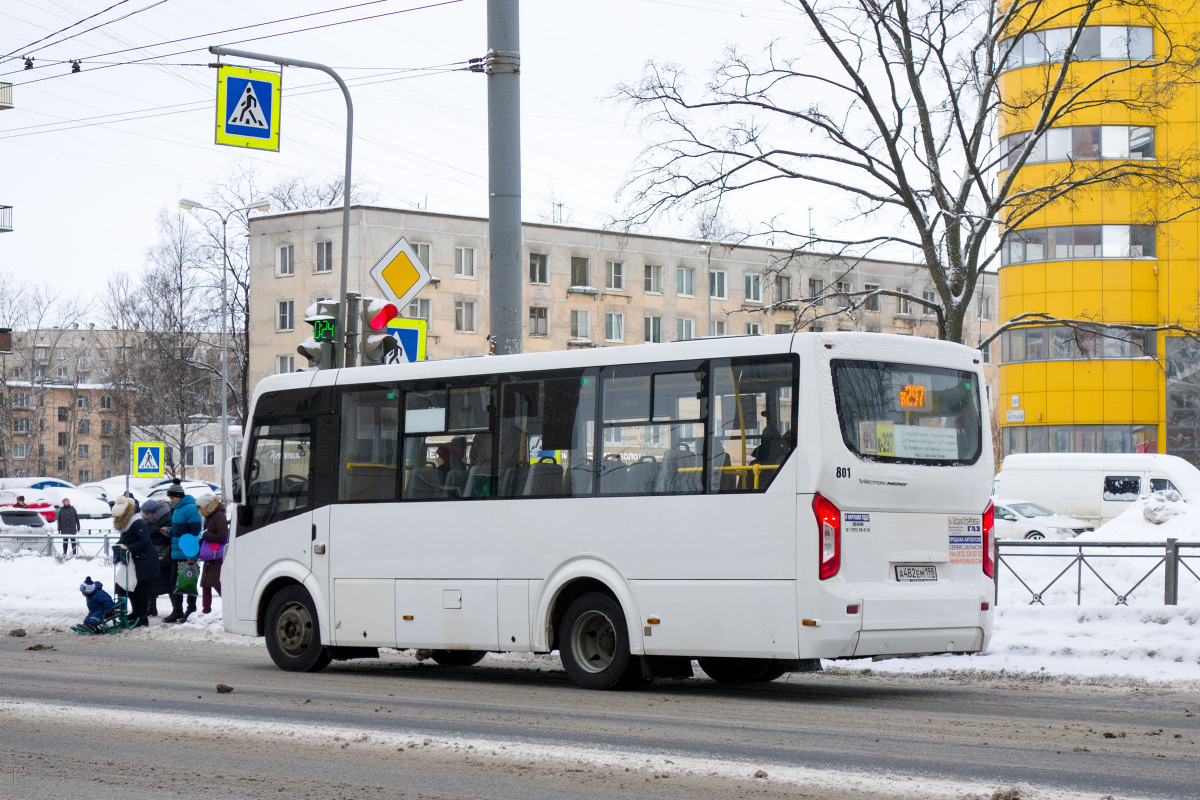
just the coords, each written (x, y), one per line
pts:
(93, 543)
(1098, 559)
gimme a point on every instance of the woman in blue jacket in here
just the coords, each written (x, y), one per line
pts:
(185, 518)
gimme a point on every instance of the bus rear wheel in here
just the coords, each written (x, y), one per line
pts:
(593, 642)
(458, 658)
(737, 670)
(293, 632)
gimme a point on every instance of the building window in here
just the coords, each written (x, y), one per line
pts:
(872, 301)
(62, 464)
(85, 426)
(20, 450)
(615, 275)
(106, 427)
(21, 399)
(102, 372)
(987, 353)
(614, 327)
(18, 372)
(189, 456)
(287, 260)
(63, 373)
(1079, 439)
(464, 262)
(985, 307)
(324, 257)
(64, 414)
(39, 372)
(464, 316)
(581, 326)
(716, 327)
(85, 475)
(904, 302)
(579, 271)
(1061, 343)
(1083, 142)
(208, 455)
(422, 251)
(285, 317)
(754, 288)
(716, 284)
(816, 287)
(843, 294)
(420, 309)
(685, 329)
(654, 273)
(106, 452)
(685, 282)
(285, 364)
(84, 402)
(753, 329)
(783, 328)
(1096, 43)
(1077, 242)
(538, 322)
(21, 425)
(539, 271)
(929, 296)
(85, 451)
(106, 402)
(653, 327)
(783, 288)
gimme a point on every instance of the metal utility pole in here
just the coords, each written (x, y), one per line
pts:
(341, 356)
(503, 68)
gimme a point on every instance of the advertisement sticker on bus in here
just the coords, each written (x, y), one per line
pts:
(966, 540)
(856, 523)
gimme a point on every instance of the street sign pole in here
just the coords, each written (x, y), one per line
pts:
(339, 353)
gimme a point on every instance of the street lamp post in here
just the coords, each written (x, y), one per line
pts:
(191, 205)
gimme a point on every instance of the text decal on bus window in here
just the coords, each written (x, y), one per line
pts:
(912, 396)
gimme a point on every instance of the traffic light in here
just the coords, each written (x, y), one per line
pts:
(318, 348)
(377, 343)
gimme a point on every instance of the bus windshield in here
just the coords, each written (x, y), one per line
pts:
(908, 414)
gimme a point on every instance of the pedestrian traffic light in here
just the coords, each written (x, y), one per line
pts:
(318, 348)
(377, 343)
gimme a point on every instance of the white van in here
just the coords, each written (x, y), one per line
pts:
(1096, 487)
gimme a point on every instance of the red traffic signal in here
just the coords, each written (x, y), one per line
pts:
(379, 313)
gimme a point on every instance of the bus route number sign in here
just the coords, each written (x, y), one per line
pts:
(912, 397)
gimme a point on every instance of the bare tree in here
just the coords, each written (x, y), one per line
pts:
(898, 113)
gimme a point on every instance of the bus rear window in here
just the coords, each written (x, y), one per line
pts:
(908, 414)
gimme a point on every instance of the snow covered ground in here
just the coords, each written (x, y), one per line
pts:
(1093, 644)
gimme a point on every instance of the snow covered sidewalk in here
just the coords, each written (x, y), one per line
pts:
(1099, 645)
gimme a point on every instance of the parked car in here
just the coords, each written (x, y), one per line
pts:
(34, 483)
(109, 493)
(194, 488)
(1022, 519)
(86, 506)
(21, 529)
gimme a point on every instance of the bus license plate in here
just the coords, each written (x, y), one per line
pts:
(923, 573)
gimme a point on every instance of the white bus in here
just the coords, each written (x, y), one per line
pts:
(750, 502)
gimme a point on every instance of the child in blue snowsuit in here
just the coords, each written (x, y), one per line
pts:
(99, 603)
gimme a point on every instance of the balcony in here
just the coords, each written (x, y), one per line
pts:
(6, 219)
(5, 96)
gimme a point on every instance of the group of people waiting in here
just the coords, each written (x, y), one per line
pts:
(151, 541)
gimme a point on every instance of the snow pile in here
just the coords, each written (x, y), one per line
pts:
(1153, 518)
(1113, 645)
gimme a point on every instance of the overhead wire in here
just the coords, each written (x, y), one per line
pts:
(26, 52)
(25, 48)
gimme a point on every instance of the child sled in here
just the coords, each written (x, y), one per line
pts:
(116, 619)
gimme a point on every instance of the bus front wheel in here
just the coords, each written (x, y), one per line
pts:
(293, 632)
(737, 670)
(593, 643)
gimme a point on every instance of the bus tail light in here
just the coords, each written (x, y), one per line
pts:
(989, 521)
(829, 527)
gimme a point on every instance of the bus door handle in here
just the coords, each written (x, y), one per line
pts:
(314, 532)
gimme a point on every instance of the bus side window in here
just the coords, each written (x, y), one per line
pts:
(545, 428)
(448, 440)
(752, 422)
(278, 478)
(369, 441)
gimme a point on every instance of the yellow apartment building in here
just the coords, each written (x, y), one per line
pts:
(1112, 254)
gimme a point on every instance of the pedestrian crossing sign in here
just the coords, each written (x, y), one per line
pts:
(412, 334)
(148, 459)
(248, 104)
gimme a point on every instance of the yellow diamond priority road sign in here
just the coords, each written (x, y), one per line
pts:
(400, 275)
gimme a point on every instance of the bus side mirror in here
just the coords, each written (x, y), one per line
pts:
(233, 480)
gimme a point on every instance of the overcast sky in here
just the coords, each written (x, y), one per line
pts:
(88, 160)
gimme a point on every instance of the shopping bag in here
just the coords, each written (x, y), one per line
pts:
(186, 578)
(211, 551)
(126, 575)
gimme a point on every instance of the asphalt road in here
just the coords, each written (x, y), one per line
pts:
(395, 728)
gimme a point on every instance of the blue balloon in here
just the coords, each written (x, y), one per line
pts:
(189, 543)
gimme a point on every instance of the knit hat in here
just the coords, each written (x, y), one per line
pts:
(87, 587)
(175, 490)
(123, 510)
(149, 507)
